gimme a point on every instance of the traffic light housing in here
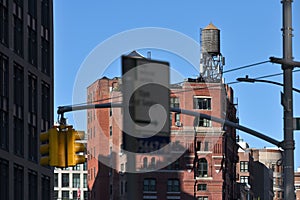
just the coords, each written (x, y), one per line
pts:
(59, 147)
(76, 150)
(52, 148)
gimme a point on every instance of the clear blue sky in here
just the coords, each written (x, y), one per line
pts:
(250, 33)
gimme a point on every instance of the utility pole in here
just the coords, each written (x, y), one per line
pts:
(287, 101)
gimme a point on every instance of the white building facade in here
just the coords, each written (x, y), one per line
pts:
(71, 183)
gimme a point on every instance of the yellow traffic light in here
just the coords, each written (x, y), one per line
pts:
(61, 151)
(53, 148)
(49, 147)
(59, 147)
(75, 148)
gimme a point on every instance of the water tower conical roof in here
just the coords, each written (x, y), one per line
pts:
(210, 26)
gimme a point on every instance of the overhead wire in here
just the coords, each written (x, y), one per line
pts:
(246, 66)
(200, 88)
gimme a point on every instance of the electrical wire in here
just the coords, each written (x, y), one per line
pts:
(187, 90)
(246, 66)
(272, 75)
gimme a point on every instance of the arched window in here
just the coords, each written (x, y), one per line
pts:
(202, 167)
(145, 162)
(152, 163)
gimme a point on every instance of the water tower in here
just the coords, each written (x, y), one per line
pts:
(211, 60)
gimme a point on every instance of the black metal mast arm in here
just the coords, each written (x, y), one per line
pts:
(62, 109)
(231, 124)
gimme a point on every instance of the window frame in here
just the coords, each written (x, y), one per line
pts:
(174, 102)
(149, 185)
(244, 179)
(173, 185)
(202, 168)
(202, 102)
(201, 187)
(244, 166)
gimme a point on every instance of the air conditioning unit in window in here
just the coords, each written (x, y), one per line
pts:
(178, 124)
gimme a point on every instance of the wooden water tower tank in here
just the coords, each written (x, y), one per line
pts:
(210, 38)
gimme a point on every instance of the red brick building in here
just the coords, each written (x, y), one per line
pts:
(205, 151)
(297, 183)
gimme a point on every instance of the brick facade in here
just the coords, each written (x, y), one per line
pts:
(207, 153)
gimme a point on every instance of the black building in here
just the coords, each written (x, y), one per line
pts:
(26, 97)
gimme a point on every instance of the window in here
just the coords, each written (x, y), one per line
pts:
(153, 162)
(45, 120)
(55, 180)
(202, 167)
(84, 180)
(18, 28)
(85, 194)
(4, 178)
(65, 180)
(4, 22)
(244, 166)
(55, 195)
(202, 103)
(18, 182)
(74, 192)
(84, 166)
(32, 7)
(76, 180)
(244, 179)
(174, 102)
(18, 110)
(32, 45)
(45, 46)
(4, 102)
(32, 118)
(122, 167)
(177, 120)
(45, 57)
(206, 146)
(198, 146)
(145, 162)
(204, 122)
(202, 198)
(32, 185)
(201, 187)
(46, 188)
(149, 185)
(45, 13)
(173, 185)
(65, 195)
(110, 130)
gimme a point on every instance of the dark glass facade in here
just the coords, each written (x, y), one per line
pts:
(26, 97)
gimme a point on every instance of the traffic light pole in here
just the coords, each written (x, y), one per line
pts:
(289, 144)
